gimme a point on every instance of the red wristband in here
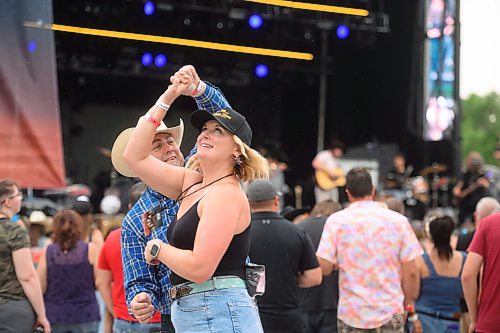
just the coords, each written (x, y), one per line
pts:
(410, 308)
(196, 90)
(152, 120)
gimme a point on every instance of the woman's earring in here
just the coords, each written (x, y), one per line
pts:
(238, 160)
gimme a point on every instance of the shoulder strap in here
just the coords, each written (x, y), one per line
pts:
(429, 264)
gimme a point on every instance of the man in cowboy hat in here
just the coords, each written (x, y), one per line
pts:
(145, 284)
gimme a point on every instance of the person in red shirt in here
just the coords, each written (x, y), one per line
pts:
(109, 279)
(484, 251)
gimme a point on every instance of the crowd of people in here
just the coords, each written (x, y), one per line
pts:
(197, 253)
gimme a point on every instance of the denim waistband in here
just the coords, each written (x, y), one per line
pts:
(453, 316)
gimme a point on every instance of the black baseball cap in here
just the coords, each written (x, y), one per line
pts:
(231, 120)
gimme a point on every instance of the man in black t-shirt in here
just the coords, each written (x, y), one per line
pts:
(319, 304)
(288, 254)
(472, 186)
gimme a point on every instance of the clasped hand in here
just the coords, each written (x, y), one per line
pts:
(185, 80)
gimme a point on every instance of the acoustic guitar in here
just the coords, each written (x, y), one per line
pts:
(325, 182)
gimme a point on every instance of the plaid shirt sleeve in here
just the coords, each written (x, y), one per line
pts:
(212, 100)
(138, 275)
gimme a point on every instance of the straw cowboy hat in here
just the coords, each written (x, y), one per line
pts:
(38, 217)
(122, 140)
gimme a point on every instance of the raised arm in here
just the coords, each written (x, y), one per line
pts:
(162, 177)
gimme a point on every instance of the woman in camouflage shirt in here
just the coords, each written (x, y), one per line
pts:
(21, 301)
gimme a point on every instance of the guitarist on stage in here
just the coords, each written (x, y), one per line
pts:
(329, 175)
(471, 187)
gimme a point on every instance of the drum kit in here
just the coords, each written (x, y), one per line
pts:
(430, 187)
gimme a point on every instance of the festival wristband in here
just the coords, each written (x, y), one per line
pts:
(152, 120)
(162, 105)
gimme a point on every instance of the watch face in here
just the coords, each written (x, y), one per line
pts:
(154, 250)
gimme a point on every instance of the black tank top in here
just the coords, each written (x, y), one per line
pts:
(181, 234)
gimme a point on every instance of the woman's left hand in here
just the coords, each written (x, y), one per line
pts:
(43, 322)
(147, 251)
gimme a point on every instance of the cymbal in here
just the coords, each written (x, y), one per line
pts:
(434, 168)
(104, 151)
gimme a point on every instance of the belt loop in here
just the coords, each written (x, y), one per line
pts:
(214, 282)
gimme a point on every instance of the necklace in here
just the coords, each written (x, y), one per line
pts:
(183, 194)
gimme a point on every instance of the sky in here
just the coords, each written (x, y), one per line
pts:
(480, 47)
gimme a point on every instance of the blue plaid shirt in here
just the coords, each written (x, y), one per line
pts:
(138, 275)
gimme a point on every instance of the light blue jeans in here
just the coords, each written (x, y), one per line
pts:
(218, 311)
(123, 326)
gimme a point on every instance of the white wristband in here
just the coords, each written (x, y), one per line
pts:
(162, 105)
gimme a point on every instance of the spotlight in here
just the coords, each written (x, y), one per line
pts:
(255, 21)
(160, 60)
(261, 70)
(342, 31)
(147, 59)
(32, 46)
(149, 8)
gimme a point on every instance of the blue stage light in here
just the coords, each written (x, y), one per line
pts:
(160, 60)
(32, 46)
(147, 59)
(261, 70)
(255, 21)
(149, 8)
(342, 31)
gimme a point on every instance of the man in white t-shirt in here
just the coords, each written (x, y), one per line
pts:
(329, 175)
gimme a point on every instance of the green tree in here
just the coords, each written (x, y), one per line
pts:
(481, 125)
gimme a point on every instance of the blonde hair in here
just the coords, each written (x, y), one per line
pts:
(253, 166)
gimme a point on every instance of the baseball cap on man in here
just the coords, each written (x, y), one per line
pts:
(231, 120)
(122, 140)
(261, 190)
